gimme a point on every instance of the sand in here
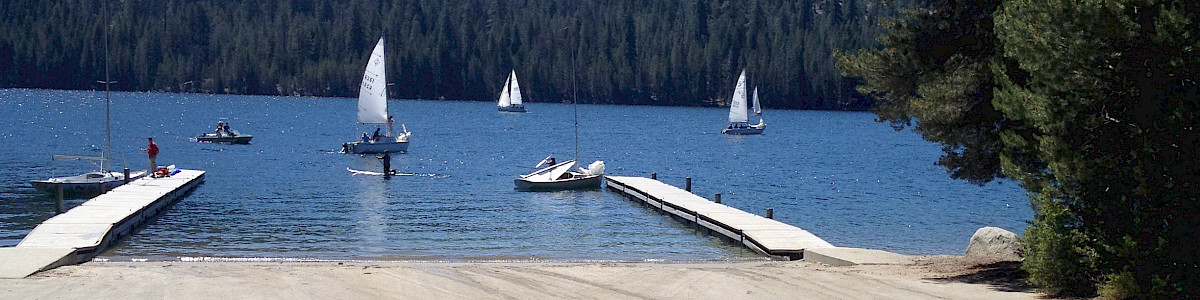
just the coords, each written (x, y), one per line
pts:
(937, 277)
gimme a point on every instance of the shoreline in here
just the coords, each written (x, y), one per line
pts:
(922, 277)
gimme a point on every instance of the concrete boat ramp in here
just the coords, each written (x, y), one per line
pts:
(88, 229)
(761, 234)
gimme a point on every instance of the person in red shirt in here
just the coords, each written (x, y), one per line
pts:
(152, 150)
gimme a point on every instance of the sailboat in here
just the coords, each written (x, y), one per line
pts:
(757, 111)
(559, 176)
(95, 182)
(739, 119)
(510, 96)
(372, 110)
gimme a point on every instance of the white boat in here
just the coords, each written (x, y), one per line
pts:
(91, 183)
(559, 177)
(510, 96)
(739, 119)
(372, 110)
(87, 184)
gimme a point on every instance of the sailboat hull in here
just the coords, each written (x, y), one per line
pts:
(591, 182)
(514, 108)
(84, 185)
(742, 131)
(376, 147)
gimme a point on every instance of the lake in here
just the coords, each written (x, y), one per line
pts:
(288, 195)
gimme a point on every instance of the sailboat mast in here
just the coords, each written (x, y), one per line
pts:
(104, 165)
(575, 102)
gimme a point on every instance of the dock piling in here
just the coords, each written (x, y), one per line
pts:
(688, 186)
(653, 175)
(126, 175)
(771, 213)
(58, 200)
(717, 198)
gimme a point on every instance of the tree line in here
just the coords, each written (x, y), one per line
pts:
(1093, 106)
(670, 52)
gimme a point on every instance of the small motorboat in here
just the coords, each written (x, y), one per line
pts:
(225, 138)
(224, 135)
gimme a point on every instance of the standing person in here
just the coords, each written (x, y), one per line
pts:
(152, 151)
(387, 164)
(390, 130)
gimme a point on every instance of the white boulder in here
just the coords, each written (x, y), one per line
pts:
(994, 242)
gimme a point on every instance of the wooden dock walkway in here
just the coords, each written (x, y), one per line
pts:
(760, 234)
(88, 229)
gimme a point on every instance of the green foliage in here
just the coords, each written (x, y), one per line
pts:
(1114, 99)
(1094, 106)
(935, 66)
(674, 52)
(1054, 258)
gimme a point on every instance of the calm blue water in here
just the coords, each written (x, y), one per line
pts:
(840, 175)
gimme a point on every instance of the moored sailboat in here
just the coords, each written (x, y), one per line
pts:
(559, 176)
(96, 182)
(372, 110)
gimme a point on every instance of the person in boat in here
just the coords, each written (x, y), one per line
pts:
(365, 138)
(227, 131)
(375, 136)
(220, 127)
(551, 161)
(390, 131)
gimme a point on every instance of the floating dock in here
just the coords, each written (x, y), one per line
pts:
(88, 229)
(763, 235)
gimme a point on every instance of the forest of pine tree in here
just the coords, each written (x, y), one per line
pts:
(667, 52)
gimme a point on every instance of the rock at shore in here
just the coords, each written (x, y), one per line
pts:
(994, 242)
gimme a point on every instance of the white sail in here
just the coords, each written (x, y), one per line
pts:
(737, 108)
(757, 109)
(372, 94)
(505, 99)
(516, 90)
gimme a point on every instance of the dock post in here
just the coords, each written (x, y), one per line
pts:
(58, 201)
(688, 186)
(654, 176)
(770, 213)
(100, 186)
(717, 198)
(126, 175)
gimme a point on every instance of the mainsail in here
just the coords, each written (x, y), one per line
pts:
(737, 108)
(516, 90)
(372, 94)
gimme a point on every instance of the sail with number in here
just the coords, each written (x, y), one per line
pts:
(737, 106)
(372, 94)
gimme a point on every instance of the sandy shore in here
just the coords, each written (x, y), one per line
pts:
(940, 277)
